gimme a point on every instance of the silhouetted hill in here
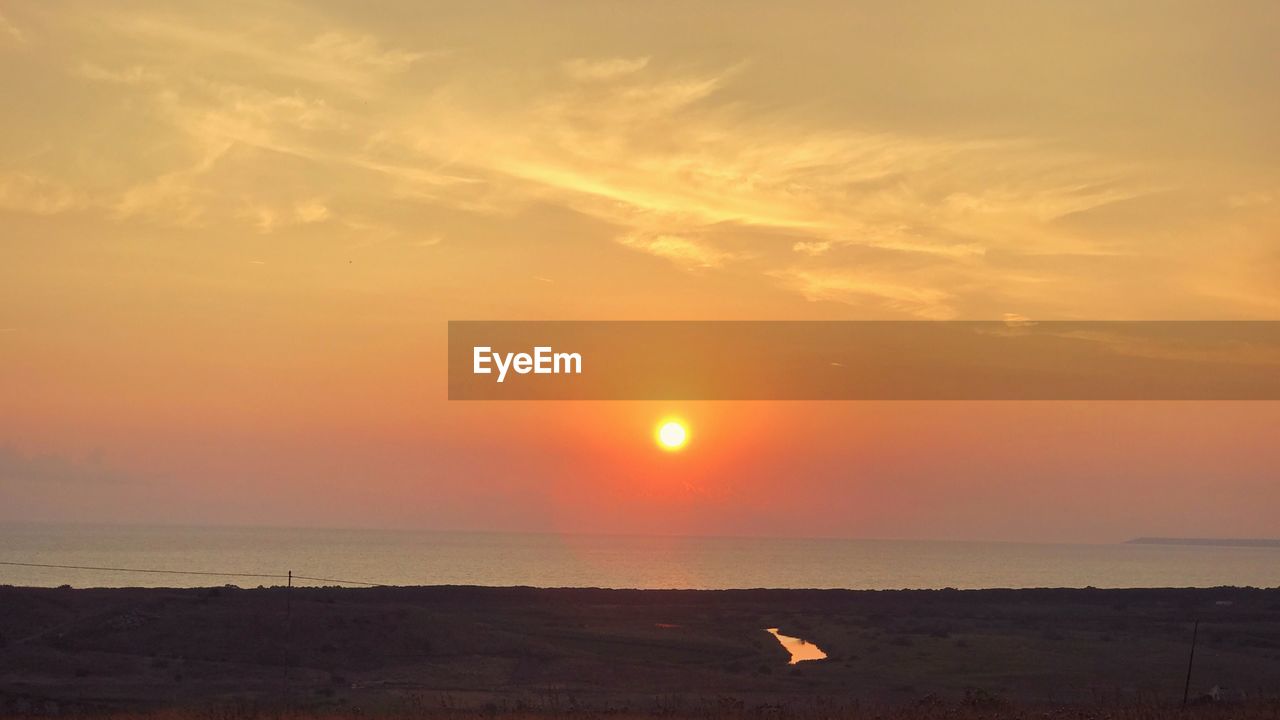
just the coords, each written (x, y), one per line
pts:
(1216, 542)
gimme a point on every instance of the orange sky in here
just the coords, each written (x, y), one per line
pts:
(232, 237)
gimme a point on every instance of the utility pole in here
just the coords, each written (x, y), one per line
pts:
(1186, 688)
(288, 632)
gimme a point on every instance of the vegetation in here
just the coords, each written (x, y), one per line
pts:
(444, 650)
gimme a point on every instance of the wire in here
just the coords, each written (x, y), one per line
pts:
(346, 582)
(187, 572)
(138, 570)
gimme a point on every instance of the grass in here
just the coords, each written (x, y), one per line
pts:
(699, 653)
(728, 709)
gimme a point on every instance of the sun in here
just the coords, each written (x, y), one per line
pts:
(671, 435)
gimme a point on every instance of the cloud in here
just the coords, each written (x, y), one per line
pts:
(353, 64)
(37, 195)
(269, 218)
(1257, 198)
(310, 211)
(214, 123)
(606, 69)
(362, 50)
(860, 290)
(684, 252)
(812, 248)
(679, 159)
(174, 197)
(132, 75)
(10, 33)
(1197, 345)
(659, 154)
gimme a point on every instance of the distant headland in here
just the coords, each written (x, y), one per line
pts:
(1216, 542)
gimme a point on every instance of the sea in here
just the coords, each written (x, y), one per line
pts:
(249, 557)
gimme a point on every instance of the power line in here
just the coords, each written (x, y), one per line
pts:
(139, 570)
(186, 572)
(345, 582)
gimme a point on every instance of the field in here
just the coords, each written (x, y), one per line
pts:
(539, 652)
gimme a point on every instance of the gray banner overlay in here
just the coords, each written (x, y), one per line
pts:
(1023, 360)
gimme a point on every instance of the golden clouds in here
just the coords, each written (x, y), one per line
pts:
(256, 119)
(585, 69)
(9, 33)
(40, 196)
(851, 288)
(682, 251)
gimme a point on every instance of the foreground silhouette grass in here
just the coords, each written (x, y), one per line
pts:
(433, 650)
(927, 711)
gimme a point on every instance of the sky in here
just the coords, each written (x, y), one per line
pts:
(231, 236)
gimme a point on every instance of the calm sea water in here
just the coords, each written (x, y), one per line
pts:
(428, 558)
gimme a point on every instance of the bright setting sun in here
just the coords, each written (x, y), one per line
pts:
(672, 435)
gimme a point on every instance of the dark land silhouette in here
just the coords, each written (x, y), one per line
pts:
(1207, 542)
(554, 651)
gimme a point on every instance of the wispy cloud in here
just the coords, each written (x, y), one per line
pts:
(603, 69)
(676, 157)
(868, 291)
(132, 75)
(364, 51)
(328, 59)
(657, 153)
(268, 218)
(812, 248)
(9, 33)
(682, 251)
(20, 192)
